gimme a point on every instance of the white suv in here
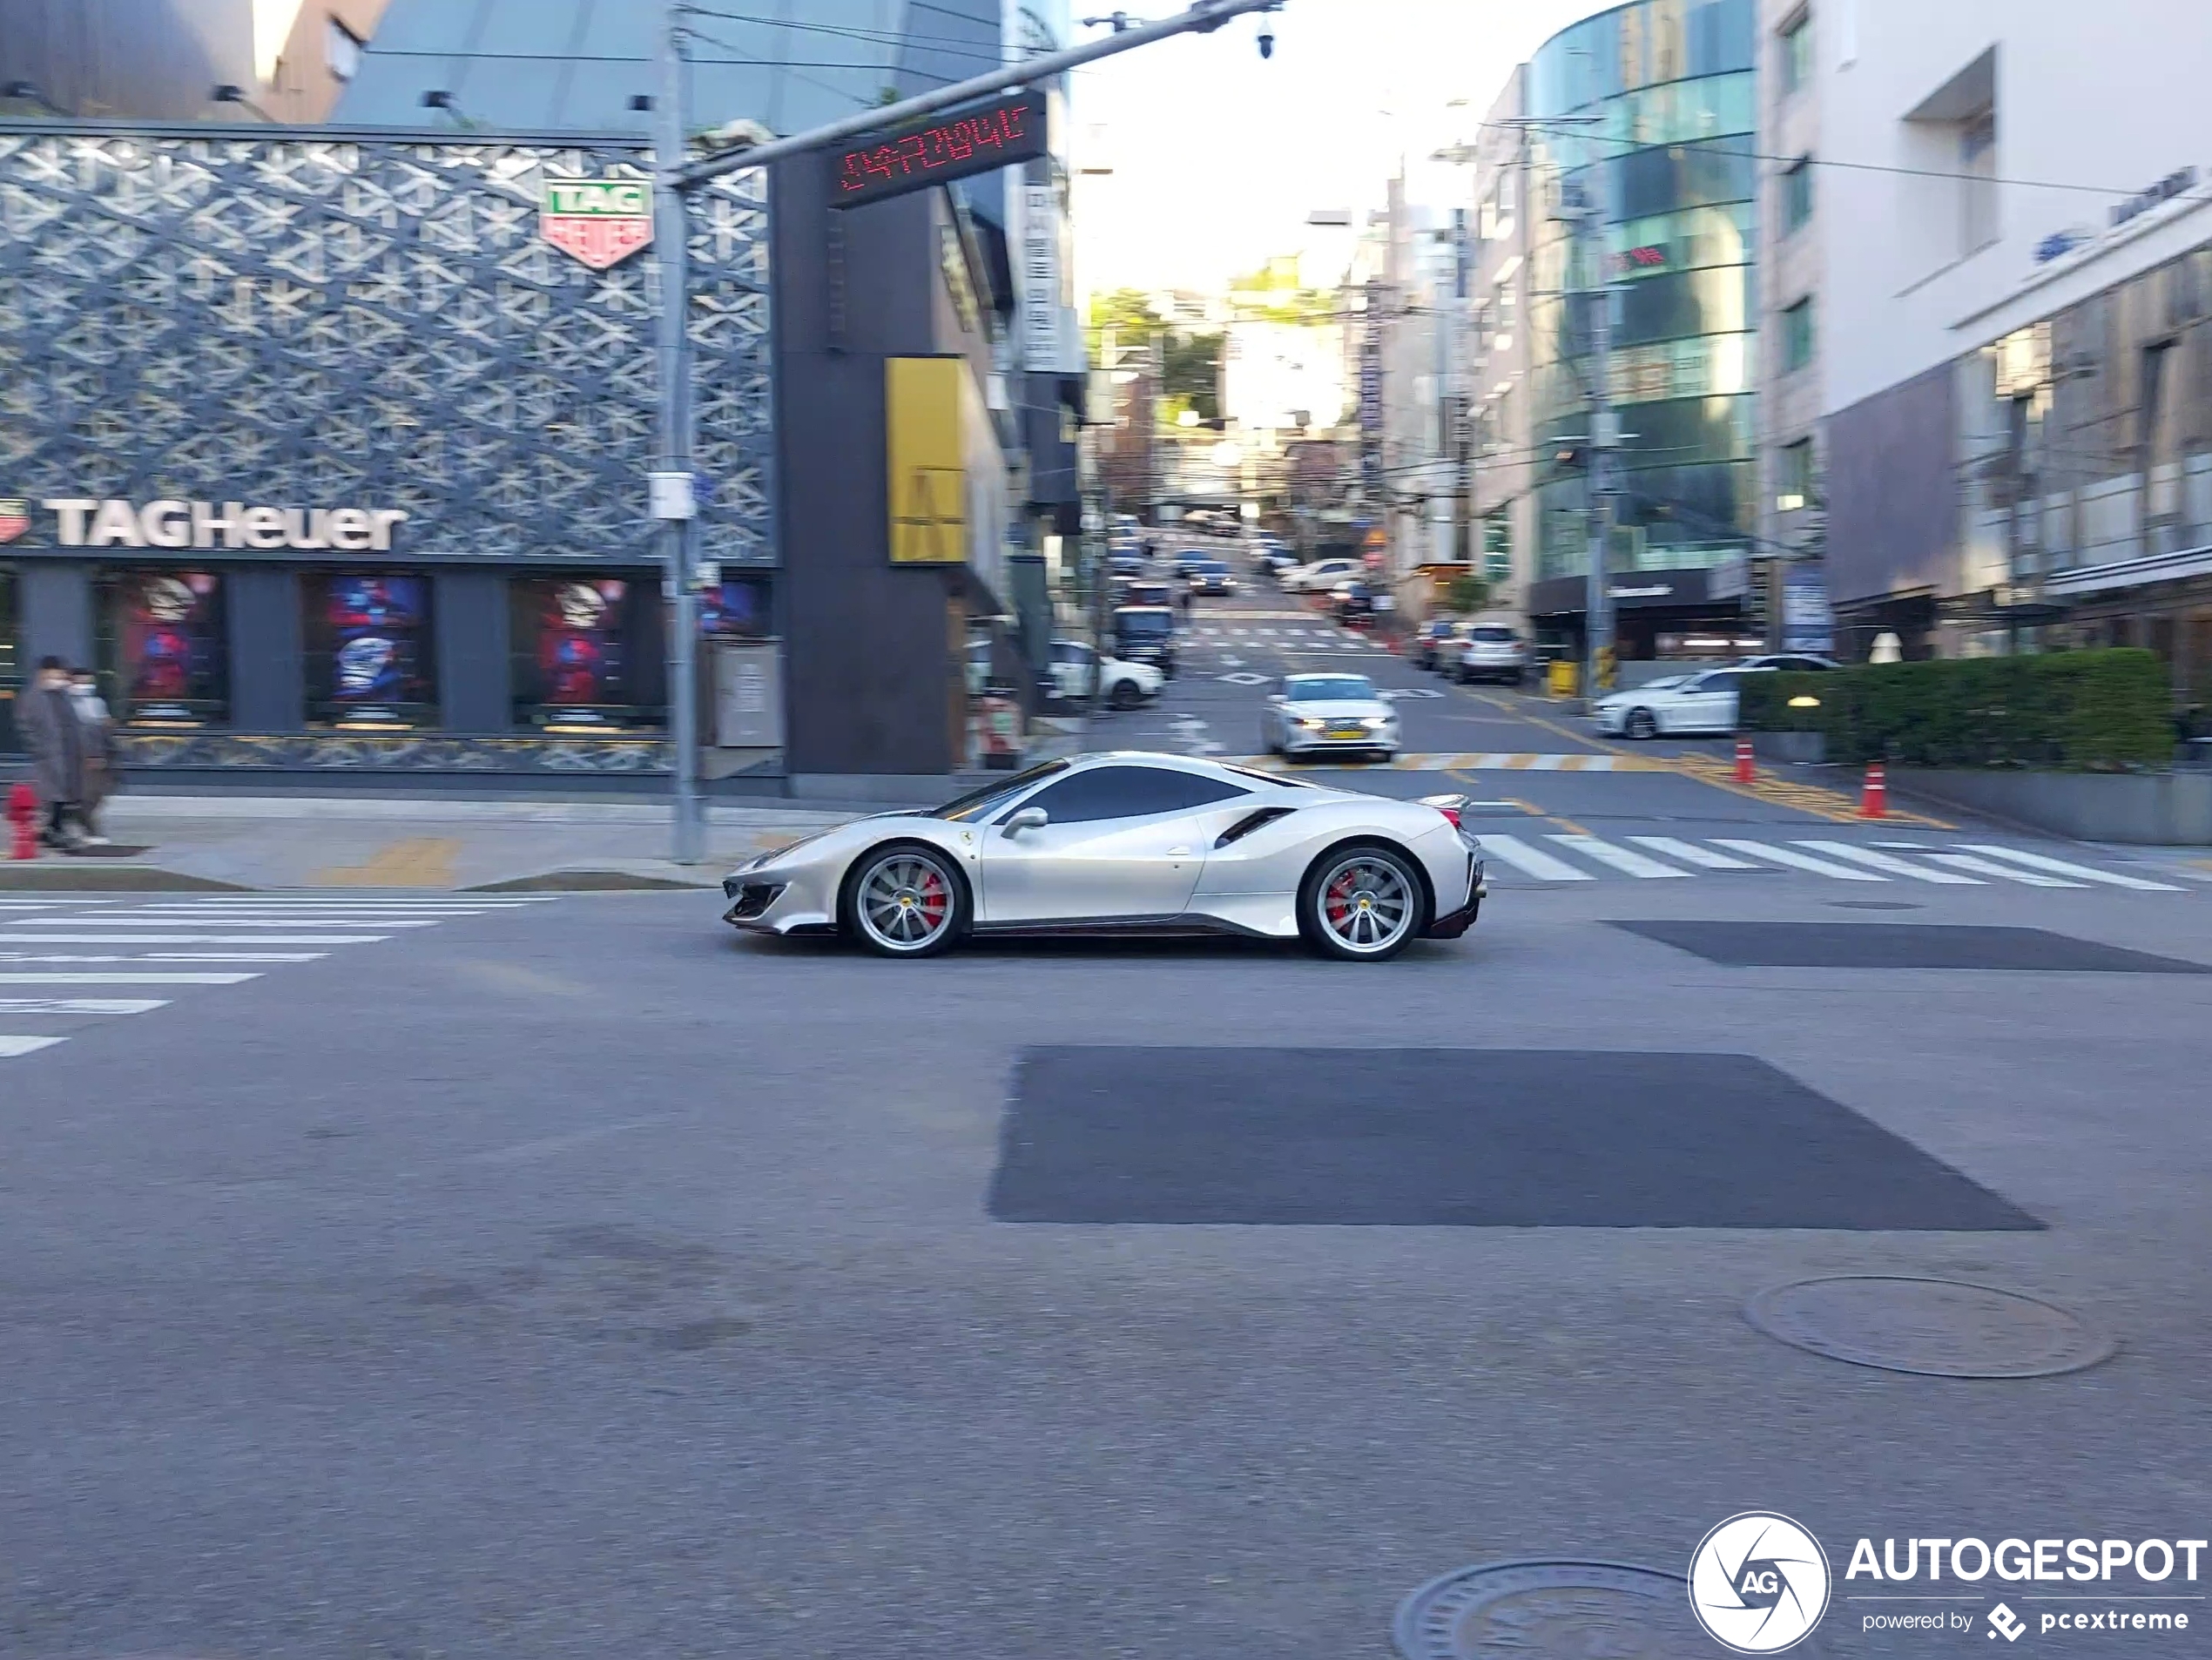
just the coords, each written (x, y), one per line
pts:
(1320, 575)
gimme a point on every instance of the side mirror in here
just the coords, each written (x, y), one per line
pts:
(1027, 818)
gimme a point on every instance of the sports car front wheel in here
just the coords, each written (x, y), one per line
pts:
(904, 900)
(1361, 903)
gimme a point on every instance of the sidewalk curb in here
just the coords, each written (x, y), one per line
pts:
(590, 881)
(41, 877)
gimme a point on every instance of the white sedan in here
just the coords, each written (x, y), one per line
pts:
(1689, 703)
(1313, 714)
(1121, 685)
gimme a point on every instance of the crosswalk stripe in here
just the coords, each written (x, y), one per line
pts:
(1798, 860)
(233, 920)
(163, 956)
(11, 1047)
(1888, 864)
(2004, 872)
(1547, 763)
(1532, 861)
(132, 978)
(81, 1005)
(194, 939)
(2061, 868)
(1621, 859)
(1691, 853)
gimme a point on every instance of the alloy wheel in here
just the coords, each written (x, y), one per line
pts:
(905, 903)
(1367, 904)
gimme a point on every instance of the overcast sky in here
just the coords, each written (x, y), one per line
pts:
(1219, 157)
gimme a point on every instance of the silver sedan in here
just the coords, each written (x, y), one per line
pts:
(1315, 714)
(1131, 843)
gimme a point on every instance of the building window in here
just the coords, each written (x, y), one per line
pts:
(1797, 476)
(1796, 52)
(341, 49)
(164, 647)
(1977, 182)
(1796, 194)
(371, 661)
(1497, 547)
(1796, 335)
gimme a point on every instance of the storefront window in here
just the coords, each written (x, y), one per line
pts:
(738, 610)
(164, 647)
(11, 663)
(372, 662)
(587, 656)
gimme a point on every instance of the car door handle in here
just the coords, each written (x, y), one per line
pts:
(1178, 853)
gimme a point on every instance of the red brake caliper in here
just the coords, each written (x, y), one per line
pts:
(1341, 898)
(933, 896)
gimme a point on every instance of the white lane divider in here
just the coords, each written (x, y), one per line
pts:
(2002, 873)
(193, 939)
(134, 978)
(1621, 859)
(2061, 868)
(1531, 861)
(80, 1005)
(163, 956)
(1797, 861)
(1888, 864)
(11, 1047)
(225, 920)
(1690, 854)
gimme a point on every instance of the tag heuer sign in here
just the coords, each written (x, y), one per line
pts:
(601, 221)
(14, 518)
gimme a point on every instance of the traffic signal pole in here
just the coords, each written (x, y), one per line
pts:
(673, 497)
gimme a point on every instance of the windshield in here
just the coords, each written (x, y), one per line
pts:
(1143, 624)
(976, 803)
(1328, 688)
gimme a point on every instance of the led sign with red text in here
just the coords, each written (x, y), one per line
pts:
(1640, 262)
(974, 140)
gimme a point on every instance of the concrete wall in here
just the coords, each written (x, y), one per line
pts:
(2106, 97)
(2156, 809)
(1893, 513)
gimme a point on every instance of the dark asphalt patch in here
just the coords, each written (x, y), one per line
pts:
(1900, 945)
(1530, 1139)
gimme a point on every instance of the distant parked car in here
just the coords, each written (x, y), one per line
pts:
(1121, 685)
(1492, 652)
(1697, 703)
(1804, 662)
(1320, 575)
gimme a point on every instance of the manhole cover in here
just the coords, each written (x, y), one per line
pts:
(1939, 1328)
(1575, 1610)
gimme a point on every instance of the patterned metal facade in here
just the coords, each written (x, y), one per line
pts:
(319, 317)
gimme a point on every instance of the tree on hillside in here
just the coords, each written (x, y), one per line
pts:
(1189, 359)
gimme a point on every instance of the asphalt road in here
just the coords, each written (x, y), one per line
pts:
(576, 1279)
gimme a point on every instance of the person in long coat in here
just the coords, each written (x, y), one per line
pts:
(102, 757)
(54, 737)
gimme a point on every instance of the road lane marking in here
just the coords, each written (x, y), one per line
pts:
(1887, 865)
(163, 956)
(1626, 860)
(11, 1047)
(231, 920)
(2061, 868)
(1691, 853)
(195, 939)
(2008, 873)
(80, 1005)
(1798, 860)
(1531, 861)
(131, 979)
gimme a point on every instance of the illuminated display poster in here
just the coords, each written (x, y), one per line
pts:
(735, 610)
(371, 651)
(979, 139)
(579, 652)
(168, 649)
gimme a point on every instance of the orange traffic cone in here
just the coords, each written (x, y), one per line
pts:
(1874, 801)
(1746, 772)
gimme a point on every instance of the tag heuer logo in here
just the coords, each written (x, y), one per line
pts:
(601, 221)
(14, 518)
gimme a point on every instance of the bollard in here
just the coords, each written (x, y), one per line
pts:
(1746, 772)
(1874, 802)
(22, 813)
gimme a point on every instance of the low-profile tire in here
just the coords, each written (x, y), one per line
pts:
(1124, 695)
(1641, 724)
(1362, 903)
(904, 899)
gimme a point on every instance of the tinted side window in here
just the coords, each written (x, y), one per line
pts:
(1128, 793)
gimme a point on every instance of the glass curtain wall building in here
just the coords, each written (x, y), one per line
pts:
(1648, 113)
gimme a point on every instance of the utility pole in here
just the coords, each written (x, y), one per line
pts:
(1605, 438)
(674, 496)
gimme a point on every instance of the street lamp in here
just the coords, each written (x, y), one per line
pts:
(227, 93)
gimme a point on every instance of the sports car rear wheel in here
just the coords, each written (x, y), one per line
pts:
(905, 900)
(1362, 903)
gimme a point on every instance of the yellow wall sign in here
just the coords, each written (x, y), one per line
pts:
(925, 466)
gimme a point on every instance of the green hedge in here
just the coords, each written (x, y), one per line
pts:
(2078, 711)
